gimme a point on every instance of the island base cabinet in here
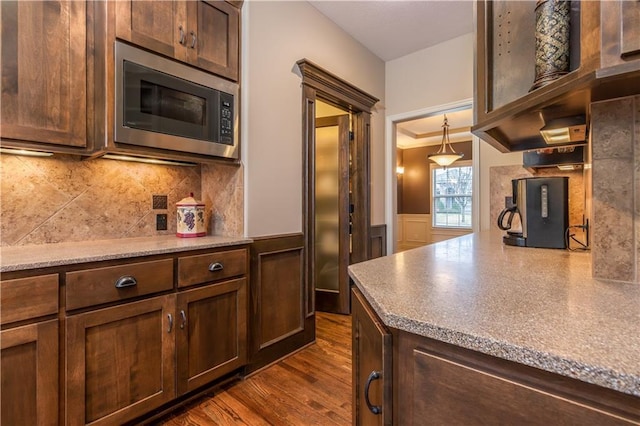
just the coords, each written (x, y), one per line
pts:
(454, 386)
(120, 361)
(211, 335)
(29, 390)
(371, 366)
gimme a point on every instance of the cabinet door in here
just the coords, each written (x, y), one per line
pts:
(214, 31)
(120, 361)
(448, 391)
(44, 78)
(372, 366)
(29, 390)
(212, 332)
(160, 26)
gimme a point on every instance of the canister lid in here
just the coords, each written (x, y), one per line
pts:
(189, 201)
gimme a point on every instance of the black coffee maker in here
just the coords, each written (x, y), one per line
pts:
(542, 205)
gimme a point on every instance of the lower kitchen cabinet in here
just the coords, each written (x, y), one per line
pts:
(120, 361)
(29, 350)
(212, 333)
(29, 389)
(372, 367)
(442, 384)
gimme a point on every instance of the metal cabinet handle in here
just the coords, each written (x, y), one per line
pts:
(182, 36)
(193, 40)
(216, 266)
(126, 281)
(184, 319)
(375, 375)
(170, 323)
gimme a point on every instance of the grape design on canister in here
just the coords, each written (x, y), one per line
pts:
(190, 220)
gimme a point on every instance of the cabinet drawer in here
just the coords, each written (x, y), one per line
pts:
(211, 267)
(25, 298)
(102, 285)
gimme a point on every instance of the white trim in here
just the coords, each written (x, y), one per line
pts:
(434, 166)
(390, 163)
(244, 114)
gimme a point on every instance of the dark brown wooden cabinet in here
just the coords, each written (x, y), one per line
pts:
(154, 345)
(438, 383)
(282, 318)
(372, 366)
(620, 34)
(120, 361)
(604, 61)
(214, 34)
(211, 333)
(160, 26)
(44, 74)
(29, 389)
(29, 350)
(202, 33)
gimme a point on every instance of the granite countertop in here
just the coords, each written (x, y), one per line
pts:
(18, 258)
(538, 307)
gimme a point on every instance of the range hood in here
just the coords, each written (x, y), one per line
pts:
(564, 158)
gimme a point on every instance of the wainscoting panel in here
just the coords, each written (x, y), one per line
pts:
(277, 323)
(416, 230)
(378, 241)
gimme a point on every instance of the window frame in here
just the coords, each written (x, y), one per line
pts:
(432, 168)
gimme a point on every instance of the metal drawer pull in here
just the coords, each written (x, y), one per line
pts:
(193, 40)
(184, 319)
(375, 409)
(182, 36)
(126, 281)
(170, 323)
(217, 266)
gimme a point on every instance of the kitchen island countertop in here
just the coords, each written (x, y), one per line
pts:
(18, 258)
(538, 307)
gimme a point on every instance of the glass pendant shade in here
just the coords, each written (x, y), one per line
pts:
(446, 155)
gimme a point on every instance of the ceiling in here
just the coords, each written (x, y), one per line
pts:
(395, 28)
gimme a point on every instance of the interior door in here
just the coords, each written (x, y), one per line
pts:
(331, 219)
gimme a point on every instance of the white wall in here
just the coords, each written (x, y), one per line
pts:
(275, 36)
(440, 75)
(434, 76)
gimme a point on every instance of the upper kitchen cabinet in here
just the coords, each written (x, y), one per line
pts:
(202, 33)
(513, 103)
(160, 26)
(44, 74)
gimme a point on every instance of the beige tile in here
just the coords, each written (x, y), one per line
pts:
(612, 127)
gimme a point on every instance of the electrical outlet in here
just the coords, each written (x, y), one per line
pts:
(159, 202)
(161, 222)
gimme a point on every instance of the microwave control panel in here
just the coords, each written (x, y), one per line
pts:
(226, 118)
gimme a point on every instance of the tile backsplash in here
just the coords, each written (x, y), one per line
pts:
(616, 189)
(67, 198)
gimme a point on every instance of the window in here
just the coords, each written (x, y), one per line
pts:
(451, 189)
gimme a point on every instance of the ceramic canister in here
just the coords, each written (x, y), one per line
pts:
(190, 217)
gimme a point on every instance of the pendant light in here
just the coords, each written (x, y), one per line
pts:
(446, 155)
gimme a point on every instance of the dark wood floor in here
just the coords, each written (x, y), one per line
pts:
(311, 387)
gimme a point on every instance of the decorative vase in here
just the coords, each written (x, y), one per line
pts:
(552, 41)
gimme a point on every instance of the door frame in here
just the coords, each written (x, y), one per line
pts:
(318, 83)
(391, 179)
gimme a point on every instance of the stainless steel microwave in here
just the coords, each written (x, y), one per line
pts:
(160, 103)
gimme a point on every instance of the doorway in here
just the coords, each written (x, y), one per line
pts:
(336, 194)
(401, 228)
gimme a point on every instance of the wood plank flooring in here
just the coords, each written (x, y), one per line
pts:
(311, 387)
